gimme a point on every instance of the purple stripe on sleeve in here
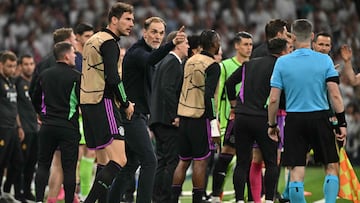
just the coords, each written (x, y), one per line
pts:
(241, 93)
(43, 106)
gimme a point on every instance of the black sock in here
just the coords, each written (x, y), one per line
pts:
(176, 192)
(219, 173)
(103, 182)
(197, 194)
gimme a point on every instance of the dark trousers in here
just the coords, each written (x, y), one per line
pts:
(139, 151)
(30, 159)
(16, 164)
(247, 130)
(21, 174)
(168, 158)
(67, 140)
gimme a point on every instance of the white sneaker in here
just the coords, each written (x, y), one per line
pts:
(215, 199)
(10, 197)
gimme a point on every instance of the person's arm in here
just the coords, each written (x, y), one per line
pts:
(110, 54)
(274, 101)
(338, 106)
(230, 85)
(212, 74)
(36, 96)
(346, 55)
(21, 133)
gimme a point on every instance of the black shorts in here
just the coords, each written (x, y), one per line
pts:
(229, 137)
(102, 124)
(309, 130)
(194, 138)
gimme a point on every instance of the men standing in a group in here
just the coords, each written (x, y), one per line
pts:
(197, 112)
(56, 100)
(11, 129)
(102, 92)
(251, 118)
(243, 45)
(307, 105)
(164, 121)
(137, 73)
(29, 145)
(56, 175)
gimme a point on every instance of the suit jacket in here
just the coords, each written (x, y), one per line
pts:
(166, 84)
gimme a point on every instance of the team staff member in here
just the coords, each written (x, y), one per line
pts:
(251, 117)
(274, 28)
(307, 106)
(55, 99)
(29, 145)
(56, 176)
(243, 45)
(10, 126)
(197, 112)
(101, 92)
(137, 71)
(164, 121)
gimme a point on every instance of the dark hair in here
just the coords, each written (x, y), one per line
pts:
(302, 29)
(240, 35)
(194, 43)
(83, 27)
(7, 55)
(277, 45)
(62, 34)
(273, 27)
(24, 56)
(325, 34)
(60, 49)
(150, 20)
(118, 9)
(207, 38)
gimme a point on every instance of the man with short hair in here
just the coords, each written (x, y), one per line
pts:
(56, 100)
(29, 145)
(11, 129)
(250, 119)
(137, 74)
(102, 93)
(322, 42)
(164, 121)
(274, 28)
(307, 121)
(197, 111)
(243, 45)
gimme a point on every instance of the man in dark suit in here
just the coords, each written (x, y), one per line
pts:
(164, 121)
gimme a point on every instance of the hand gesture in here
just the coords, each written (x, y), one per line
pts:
(180, 36)
(346, 52)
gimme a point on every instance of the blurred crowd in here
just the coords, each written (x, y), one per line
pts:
(26, 26)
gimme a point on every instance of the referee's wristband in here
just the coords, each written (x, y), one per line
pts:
(273, 125)
(341, 119)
